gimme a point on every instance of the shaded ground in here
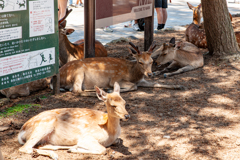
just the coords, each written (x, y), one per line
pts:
(201, 122)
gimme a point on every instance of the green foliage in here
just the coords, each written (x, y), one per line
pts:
(17, 109)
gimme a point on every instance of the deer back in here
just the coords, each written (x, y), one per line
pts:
(25, 89)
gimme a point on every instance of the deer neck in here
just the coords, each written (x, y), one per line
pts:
(113, 123)
(135, 72)
(66, 49)
(197, 19)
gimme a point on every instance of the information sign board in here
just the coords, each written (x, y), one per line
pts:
(109, 12)
(28, 41)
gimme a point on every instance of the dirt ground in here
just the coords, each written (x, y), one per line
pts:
(201, 122)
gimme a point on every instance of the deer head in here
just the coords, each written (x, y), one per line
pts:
(144, 60)
(197, 13)
(168, 52)
(114, 102)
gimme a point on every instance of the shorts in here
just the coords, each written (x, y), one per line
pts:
(161, 4)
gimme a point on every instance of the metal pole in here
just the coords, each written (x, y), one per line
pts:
(89, 28)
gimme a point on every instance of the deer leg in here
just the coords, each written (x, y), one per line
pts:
(181, 70)
(54, 148)
(127, 86)
(173, 65)
(88, 145)
(144, 83)
(37, 135)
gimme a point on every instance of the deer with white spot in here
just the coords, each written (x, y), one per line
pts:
(195, 32)
(79, 130)
(182, 55)
(73, 51)
(81, 76)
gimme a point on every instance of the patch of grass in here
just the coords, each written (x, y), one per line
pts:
(43, 97)
(17, 109)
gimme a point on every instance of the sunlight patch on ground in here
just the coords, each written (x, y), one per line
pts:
(221, 100)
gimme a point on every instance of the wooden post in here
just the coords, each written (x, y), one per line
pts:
(56, 84)
(89, 28)
(148, 30)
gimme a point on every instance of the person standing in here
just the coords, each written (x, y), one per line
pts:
(161, 9)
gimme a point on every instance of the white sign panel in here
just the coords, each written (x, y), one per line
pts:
(41, 17)
(26, 61)
(12, 5)
(10, 34)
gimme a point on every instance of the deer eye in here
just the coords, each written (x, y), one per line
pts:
(114, 106)
(141, 63)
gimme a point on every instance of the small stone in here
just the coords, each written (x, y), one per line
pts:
(166, 136)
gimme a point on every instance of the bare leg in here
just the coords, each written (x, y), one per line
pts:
(1, 157)
(145, 83)
(164, 15)
(181, 70)
(62, 6)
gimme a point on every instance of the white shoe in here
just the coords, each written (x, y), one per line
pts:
(81, 5)
(136, 27)
(76, 6)
(107, 29)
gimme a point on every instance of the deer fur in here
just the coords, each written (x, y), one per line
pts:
(79, 130)
(181, 56)
(80, 76)
(72, 51)
(1, 156)
(25, 89)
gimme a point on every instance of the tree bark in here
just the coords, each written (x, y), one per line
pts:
(221, 40)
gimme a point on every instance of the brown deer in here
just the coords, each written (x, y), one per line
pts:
(79, 130)
(72, 51)
(25, 89)
(1, 156)
(195, 32)
(81, 75)
(181, 55)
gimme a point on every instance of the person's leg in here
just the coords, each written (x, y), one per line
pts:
(164, 12)
(159, 17)
(135, 25)
(62, 6)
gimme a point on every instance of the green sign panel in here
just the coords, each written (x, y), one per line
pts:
(28, 41)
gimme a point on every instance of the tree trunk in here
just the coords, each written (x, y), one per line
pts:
(221, 40)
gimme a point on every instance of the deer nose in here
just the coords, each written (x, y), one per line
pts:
(150, 74)
(127, 116)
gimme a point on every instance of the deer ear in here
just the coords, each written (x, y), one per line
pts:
(172, 41)
(69, 31)
(200, 5)
(116, 87)
(190, 6)
(102, 95)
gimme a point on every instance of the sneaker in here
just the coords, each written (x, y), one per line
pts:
(81, 5)
(136, 27)
(71, 6)
(107, 29)
(129, 24)
(158, 30)
(76, 6)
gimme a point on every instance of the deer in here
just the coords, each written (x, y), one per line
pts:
(195, 32)
(79, 130)
(72, 51)
(80, 76)
(181, 55)
(1, 156)
(25, 89)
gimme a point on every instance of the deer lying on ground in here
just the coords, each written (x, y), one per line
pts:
(80, 76)
(195, 32)
(25, 89)
(180, 57)
(1, 156)
(79, 130)
(72, 51)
